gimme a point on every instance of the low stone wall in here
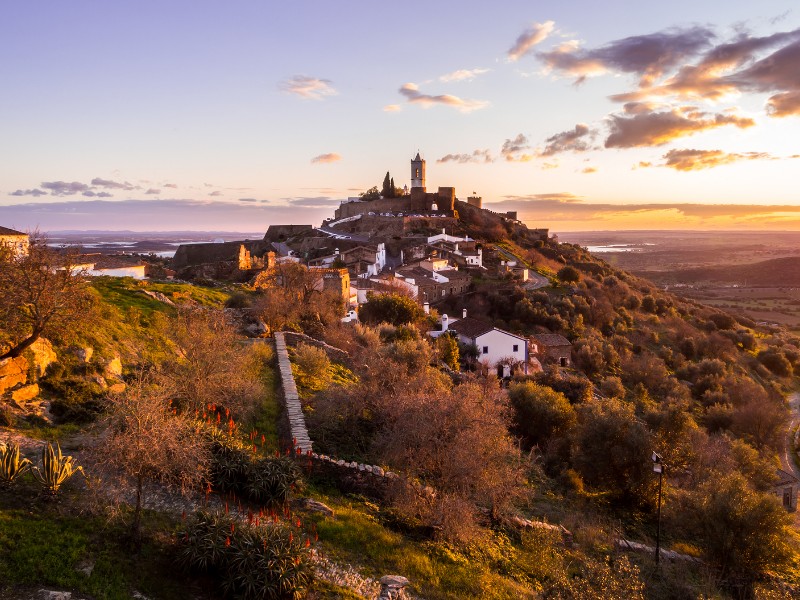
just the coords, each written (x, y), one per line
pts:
(293, 339)
(297, 423)
(361, 476)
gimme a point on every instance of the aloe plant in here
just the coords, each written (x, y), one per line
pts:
(12, 465)
(56, 469)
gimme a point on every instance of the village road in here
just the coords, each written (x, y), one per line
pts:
(787, 463)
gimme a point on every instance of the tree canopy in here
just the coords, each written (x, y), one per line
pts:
(41, 293)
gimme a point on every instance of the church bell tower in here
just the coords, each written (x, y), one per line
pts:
(417, 173)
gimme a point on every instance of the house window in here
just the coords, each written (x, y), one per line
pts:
(486, 349)
(443, 293)
(516, 348)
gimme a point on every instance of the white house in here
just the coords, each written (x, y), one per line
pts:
(497, 348)
(17, 241)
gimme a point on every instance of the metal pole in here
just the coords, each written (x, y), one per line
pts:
(658, 527)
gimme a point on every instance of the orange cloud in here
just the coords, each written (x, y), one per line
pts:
(695, 160)
(413, 95)
(309, 88)
(529, 38)
(330, 157)
(638, 128)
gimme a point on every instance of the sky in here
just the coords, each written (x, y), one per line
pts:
(195, 115)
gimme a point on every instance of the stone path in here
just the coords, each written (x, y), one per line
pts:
(294, 410)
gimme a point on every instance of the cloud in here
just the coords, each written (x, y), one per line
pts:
(695, 160)
(477, 156)
(392, 108)
(330, 157)
(648, 56)
(726, 69)
(641, 126)
(34, 192)
(529, 38)
(462, 75)
(589, 170)
(92, 194)
(314, 202)
(171, 185)
(573, 140)
(137, 215)
(565, 206)
(63, 188)
(216, 193)
(516, 150)
(309, 88)
(116, 185)
(777, 72)
(152, 191)
(414, 96)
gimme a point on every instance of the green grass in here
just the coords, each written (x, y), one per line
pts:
(268, 415)
(44, 549)
(436, 571)
(126, 293)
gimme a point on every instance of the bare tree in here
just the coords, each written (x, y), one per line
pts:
(148, 440)
(213, 367)
(41, 292)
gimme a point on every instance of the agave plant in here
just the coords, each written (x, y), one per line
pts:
(56, 469)
(12, 466)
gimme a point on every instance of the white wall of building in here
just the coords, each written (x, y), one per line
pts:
(495, 345)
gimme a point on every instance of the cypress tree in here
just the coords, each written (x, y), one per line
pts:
(387, 191)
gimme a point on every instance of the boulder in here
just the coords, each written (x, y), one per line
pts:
(43, 355)
(25, 393)
(116, 388)
(13, 371)
(113, 367)
(83, 353)
(311, 505)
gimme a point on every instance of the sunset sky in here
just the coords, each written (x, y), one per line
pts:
(580, 115)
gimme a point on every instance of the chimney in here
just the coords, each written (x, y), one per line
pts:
(464, 314)
(444, 322)
(443, 231)
(426, 306)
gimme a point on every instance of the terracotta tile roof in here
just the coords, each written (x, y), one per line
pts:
(470, 327)
(7, 231)
(551, 339)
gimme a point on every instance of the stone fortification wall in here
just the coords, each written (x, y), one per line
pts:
(280, 233)
(417, 201)
(188, 255)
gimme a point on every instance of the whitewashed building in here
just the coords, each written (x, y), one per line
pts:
(498, 349)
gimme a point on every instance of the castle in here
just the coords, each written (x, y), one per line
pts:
(419, 200)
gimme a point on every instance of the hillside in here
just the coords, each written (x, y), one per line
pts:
(486, 464)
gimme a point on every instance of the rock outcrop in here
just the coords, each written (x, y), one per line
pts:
(13, 372)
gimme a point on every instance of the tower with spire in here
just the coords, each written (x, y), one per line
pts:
(418, 172)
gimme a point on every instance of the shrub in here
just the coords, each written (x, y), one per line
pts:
(568, 274)
(253, 561)
(266, 480)
(776, 362)
(12, 465)
(390, 308)
(55, 470)
(313, 367)
(540, 412)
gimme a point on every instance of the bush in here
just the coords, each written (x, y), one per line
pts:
(568, 274)
(776, 362)
(313, 367)
(252, 560)
(390, 308)
(266, 480)
(540, 413)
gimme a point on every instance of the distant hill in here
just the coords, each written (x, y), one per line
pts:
(776, 271)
